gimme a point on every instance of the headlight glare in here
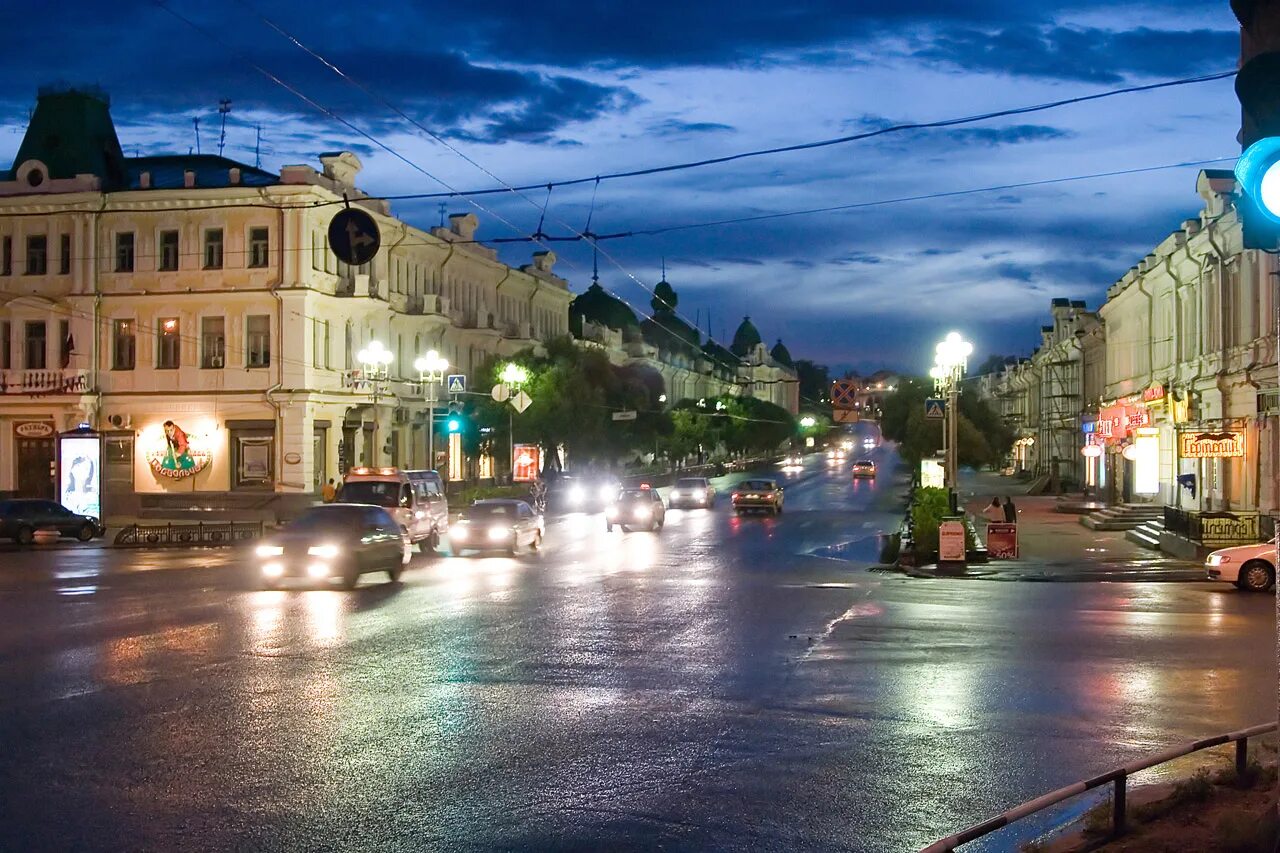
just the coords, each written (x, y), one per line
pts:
(497, 534)
(272, 570)
(269, 551)
(326, 551)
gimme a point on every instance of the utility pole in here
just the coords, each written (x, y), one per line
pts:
(257, 148)
(196, 121)
(224, 107)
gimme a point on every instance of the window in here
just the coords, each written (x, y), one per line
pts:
(64, 255)
(213, 342)
(66, 344)
(349, 349)
(258, 247)
(37, 254)
(124, 252)
(6, 346)
(319, 343)
(169, 344)
(124, 345)
(168, 251)
(213, 249)
(36, 348)
(6, 256)
(257, 341)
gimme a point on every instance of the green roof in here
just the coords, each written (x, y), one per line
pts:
(72, 134)
(745, 339)
(598, 306)
(781, 354)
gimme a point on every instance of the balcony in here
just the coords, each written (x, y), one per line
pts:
(44, 383)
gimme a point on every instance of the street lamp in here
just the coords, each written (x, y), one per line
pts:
(375, 359)
(514, 376)
(950, 360)
(808, 422)
(431, 368)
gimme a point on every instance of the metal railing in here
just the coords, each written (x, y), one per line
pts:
(1117, 777)
(200, 533)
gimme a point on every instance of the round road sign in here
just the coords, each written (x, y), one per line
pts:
(354, 237)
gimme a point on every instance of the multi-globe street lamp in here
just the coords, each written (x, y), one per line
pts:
(431, 368)
(514, 376)
(951, 357)
(375, 360)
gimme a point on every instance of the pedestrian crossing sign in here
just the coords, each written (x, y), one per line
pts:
(935, 409)
(456, 383)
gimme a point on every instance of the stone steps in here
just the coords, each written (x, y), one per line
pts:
(1123, 516)
(1147, 534)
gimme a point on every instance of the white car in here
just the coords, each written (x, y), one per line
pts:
(1249, 567)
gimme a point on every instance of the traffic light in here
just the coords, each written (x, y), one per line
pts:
(1258, 88)
(453, 424)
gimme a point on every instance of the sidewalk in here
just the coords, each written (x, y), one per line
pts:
(1054, 546)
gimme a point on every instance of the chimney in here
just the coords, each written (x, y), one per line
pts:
(464, 225)
(233, 174)
(144, 180)
(189, 178)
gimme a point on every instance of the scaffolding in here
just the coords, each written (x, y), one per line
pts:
(1058, 429)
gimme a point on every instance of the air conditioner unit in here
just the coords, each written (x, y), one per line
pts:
(216, 361)
(120, 421)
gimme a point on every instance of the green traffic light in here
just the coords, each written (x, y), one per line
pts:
(454, 425)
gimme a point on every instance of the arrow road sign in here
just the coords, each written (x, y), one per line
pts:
(935, 409)
(624, 416)
(521, 401)
(456, 383)
(353, 236)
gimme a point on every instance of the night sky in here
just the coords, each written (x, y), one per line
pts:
(554, 90)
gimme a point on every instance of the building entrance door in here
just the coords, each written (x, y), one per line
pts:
(35, 468)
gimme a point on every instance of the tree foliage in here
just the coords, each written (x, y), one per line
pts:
(983, 438)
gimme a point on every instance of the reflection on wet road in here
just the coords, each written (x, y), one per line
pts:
(713, 685)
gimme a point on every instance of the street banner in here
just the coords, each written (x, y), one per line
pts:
(951, 541)
(931, 474)
(1002, 541)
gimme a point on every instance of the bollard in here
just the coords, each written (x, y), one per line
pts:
(1118, 807)
(1242, 757)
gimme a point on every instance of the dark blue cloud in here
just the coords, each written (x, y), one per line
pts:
(676, 127)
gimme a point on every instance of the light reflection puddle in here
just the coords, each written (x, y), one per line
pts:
(77, 590)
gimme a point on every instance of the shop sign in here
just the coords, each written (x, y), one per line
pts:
(528, 462)
(34, 429)
(1153, 394)
(1227, 528)
(1089, 427)
(176, 458)
(1211, 445)
(1002, 541)
(292, 458)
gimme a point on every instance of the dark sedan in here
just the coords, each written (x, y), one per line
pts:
(20, 519)
(340, 541)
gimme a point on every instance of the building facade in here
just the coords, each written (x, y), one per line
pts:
(191, 310)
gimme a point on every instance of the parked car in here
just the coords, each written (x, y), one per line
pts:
(21, 518)
(341, 541)
(692, 491)
(864, 468)
(757, 495)
(1249, 567)
(640, 507)
(498, 524)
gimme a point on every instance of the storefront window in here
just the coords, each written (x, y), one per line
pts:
(1146, 463)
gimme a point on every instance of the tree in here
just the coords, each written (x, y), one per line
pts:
(815, 380)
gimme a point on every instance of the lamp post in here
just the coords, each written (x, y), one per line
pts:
(950, 360)
(513, 376)
(431, 368)
(375, 359)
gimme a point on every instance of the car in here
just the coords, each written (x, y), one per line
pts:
(1249, 567)
(20, 518)
(640, 507)
(415, 498)
(335, 541)
(757, 495)
(497, 524)
(692, 491)
(792, 461)
(568, 492)
(864, 468)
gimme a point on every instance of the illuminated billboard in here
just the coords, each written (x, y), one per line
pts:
(80, 473)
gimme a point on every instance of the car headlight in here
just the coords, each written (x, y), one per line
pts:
(606, 493)
(318, 570)
(643, 512)
(497, 534)
(675, 496)
(272, 570)
(1217, 560)
(328, 552)
(611, 512)
(269, 551)
(458, 531)
(577, 495)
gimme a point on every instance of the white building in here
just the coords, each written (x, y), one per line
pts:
(200, 291)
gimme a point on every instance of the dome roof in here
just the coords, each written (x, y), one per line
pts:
(746, 338)
(719, 354)
(781, 354)
(598, 306)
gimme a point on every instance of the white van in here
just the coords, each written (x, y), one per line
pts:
(415, 498)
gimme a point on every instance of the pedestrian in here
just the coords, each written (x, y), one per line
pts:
(993, 512)
(329, 492)
(1010, 511)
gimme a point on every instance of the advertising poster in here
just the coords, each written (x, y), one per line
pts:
(528, 462)
(951, 541)
(1002, 541)
(80, 474)
(931, 474)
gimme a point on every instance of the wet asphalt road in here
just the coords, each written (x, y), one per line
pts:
(715, 686)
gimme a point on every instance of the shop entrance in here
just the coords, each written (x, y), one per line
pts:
(35, 468)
